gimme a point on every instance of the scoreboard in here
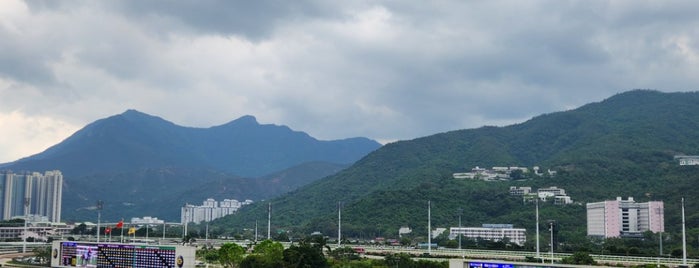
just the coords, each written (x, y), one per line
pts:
(88, 254)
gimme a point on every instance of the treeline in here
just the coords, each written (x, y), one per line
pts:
(309, 252)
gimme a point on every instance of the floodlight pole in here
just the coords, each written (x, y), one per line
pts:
(339, 223)
(538, 256)
(551, 228)
(459, 233)
(684, 238)
(99, 218)
(429, 228)
(27, 200)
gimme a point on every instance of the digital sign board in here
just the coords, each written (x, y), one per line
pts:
(87, 254)
(489, 265)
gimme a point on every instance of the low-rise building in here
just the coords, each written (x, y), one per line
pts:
(147, 220)
(492, 232)
(519, 191)
(688, 160)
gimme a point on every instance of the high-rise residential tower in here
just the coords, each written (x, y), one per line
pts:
(40, 193)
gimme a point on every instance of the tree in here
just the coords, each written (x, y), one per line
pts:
(305, 255)
(230, 254)
(345, 254)
(209, 254)
(266, 254)
(80, 229)
(579, 257)
(398, 260)
(43, 254)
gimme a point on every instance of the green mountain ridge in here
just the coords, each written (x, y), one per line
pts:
(622, 146)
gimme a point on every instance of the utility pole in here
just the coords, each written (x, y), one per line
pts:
(269, 221)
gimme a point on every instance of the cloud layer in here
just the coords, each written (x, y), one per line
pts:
(387, 70)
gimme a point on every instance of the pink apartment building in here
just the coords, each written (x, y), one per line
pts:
(619, 217)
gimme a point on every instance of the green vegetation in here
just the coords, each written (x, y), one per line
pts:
(309, 252)
(623, 146)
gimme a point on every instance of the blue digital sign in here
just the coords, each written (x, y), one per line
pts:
(489, 265)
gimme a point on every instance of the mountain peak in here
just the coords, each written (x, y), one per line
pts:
(247, 119)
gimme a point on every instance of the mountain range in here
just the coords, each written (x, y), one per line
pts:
(141, 165)
(622, 146)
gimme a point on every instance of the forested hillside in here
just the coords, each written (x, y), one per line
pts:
(622, 146)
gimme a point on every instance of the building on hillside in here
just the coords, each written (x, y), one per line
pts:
(491, 232)
(438, 231)
(562, 200)
(404, 230)
(624, 218)
(210, 210)
(688, 160)
(518, 191)
(31, 194)
(551, 191)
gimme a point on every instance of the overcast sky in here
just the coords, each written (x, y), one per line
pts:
(386, 70)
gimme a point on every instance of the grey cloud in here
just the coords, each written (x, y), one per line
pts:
(19, 61)
(254, 20)
(439, 66)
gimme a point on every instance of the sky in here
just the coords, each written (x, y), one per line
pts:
(386, 70)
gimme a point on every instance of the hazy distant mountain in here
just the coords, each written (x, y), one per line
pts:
(622, 146)
(135, 158)
(134, 140)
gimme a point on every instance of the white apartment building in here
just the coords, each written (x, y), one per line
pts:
(210, 210)
(31, 193)
(619, 217)
(492, 232)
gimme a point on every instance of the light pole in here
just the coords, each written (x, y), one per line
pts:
(429, 228)
(460, 212)
(99, 218)
(339, 223)
(551, 229)
(538, 256)
(269, 221)
(684, 238)
(26, 210)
